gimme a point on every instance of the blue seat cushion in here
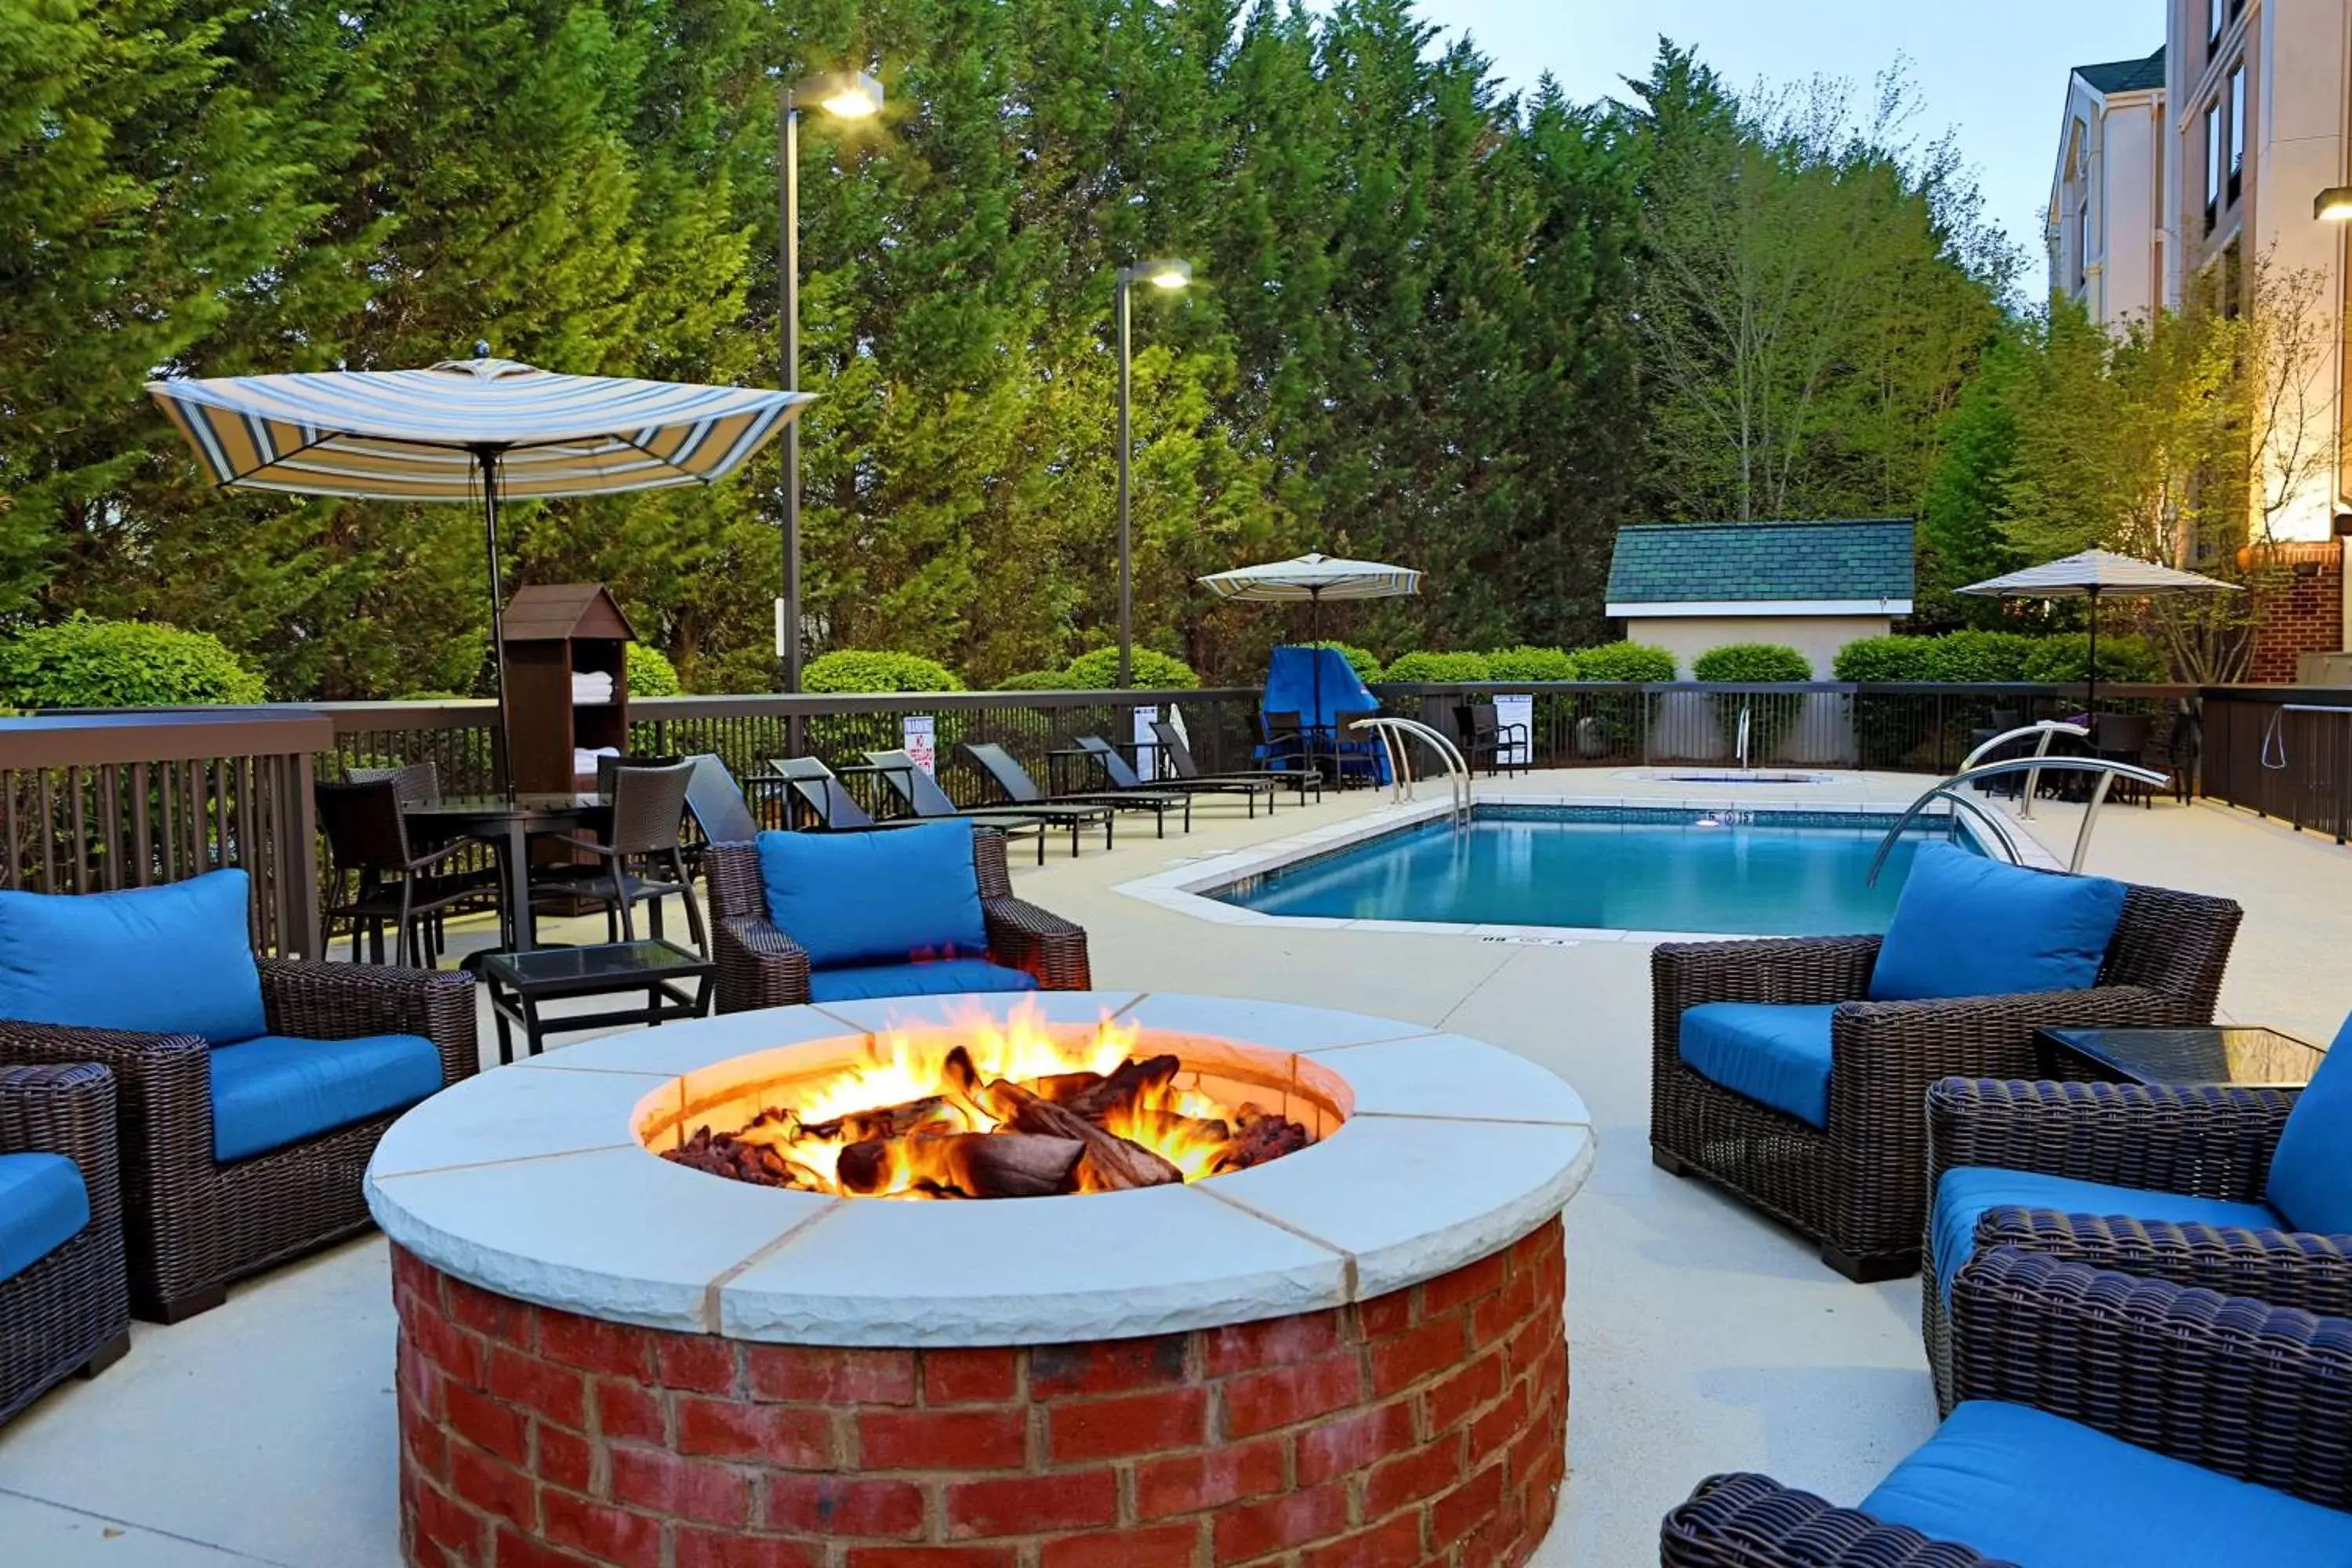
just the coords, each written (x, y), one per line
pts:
(169, 960)
(43, 1206)
(2310, 1181)
(875, 898)
(1967, 926)
(1965, 1192)
(945, 978)
(1772, 1052)
(276, 1090)
(2022, 1486)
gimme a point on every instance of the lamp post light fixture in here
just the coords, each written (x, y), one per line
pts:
(844, 95)
(1167, 276)
(2333, 205)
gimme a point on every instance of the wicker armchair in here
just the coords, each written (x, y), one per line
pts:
(2208, 1141)
(760, 966)
(1858, 1184)
(193, 1224)
(67, 1313)
(2232, 1385)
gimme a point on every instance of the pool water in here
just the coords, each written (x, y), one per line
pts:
(1634, 869)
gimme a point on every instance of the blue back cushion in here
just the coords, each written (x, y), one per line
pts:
(882, 897)
(277, 1089)
(1967, 926)
(43, 1206)
(2025, 1486)
(2311, 1172)
(173, 960)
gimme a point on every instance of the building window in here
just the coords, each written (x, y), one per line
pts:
(2213, 155)
(2212, 23)
(2083, 244)
(2237, 130)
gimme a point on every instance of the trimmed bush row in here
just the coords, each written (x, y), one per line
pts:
(1982, 656)
(86, 663)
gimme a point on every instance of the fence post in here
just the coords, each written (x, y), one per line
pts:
(299, 886)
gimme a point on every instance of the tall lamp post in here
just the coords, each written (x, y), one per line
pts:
(1169, 276)
(844, 95)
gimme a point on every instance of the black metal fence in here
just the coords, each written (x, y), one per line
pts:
(2283, 752)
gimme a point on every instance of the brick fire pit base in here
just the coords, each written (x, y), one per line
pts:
(1426, 1427)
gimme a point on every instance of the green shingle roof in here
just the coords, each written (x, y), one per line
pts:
(2124, 75)
(1697, 563)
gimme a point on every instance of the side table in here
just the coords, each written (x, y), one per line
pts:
(520, 982)
(2253, 1057)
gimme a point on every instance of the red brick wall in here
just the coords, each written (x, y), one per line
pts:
(1424, 1428)
(2298, 607)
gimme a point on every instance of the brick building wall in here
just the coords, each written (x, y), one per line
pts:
(2298, 606)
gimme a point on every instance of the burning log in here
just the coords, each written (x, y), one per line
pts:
(973, 1164)
(1113, 1163)
(1127, 1084)
(883, 1121)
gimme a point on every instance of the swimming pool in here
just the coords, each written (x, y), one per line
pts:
(1743, 872)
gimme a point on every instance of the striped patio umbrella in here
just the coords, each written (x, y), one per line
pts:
(1314, 578)
(480, 431)
(2093, 575)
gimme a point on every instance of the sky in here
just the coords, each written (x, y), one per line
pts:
(1992, 71)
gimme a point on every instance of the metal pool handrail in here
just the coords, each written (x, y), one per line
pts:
(1400, 779)
(2048, 728)
(2272, 733)
(2108, 770)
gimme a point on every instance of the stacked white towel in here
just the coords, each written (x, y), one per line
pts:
(584, 761)
(588, 686)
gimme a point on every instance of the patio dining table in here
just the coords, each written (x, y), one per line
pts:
(509, 825)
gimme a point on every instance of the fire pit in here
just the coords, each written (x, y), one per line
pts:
(1259, 1285)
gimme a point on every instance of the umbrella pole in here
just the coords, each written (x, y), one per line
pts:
(2090, 694)
(502, 758)
(1315, 664)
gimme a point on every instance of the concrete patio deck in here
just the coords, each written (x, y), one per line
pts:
(1702, 1337)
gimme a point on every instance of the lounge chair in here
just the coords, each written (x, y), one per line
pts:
(836, 810)
(1122, 776)
(1795, 1071)
(1006, 771)
(921, 794)
(1179, 752)
(2105, 1423)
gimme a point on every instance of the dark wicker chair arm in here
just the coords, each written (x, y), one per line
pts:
(2286, 1268)
(2211, 1141)
(315, 1001)
(2227, 1383)
(1796, 970)
(59, 1107)
(1049, 947)
(759, 966)
(1754, 1521)
(175, 1069)
(1975, 1036)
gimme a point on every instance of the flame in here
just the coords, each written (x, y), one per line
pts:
(907, 1074)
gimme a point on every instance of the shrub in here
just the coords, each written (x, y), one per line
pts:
(1527, 663)
(86, 663)
(1883, 659)
(1963, 657)
(1036, 680)
(1152, 670)
(1625, 661)
(1751, 663)
(2068, 658)
(651, 674)
(1363, 660)
(1436, 668)
(860, 670)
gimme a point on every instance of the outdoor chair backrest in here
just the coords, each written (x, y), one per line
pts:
(418, 784)
(1344, 717)
(1280, 725)
(717, 803)
(1006, 770)
(362, 824)
(1174, 746)
(2123, 733)
(1114, 766)
(912, 784)
(648, 808)
(822, 792)
(607, 766)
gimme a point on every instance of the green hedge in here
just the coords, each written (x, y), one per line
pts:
(856, 671)
(1036, 680)
(1438, 669)
(651, 674)
(1963, 657)
(1883, 658)
(1625, 661)
(1749, 663)
(1529, 663)
(1363, 660)
(2068, 658)
(1152, 671)
(85, 663)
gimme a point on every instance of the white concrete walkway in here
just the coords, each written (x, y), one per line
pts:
(1703, 1337)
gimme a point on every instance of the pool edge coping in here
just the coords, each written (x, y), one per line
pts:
(1181, 888)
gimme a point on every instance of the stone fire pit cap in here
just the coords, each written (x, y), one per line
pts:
(529, 1181)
